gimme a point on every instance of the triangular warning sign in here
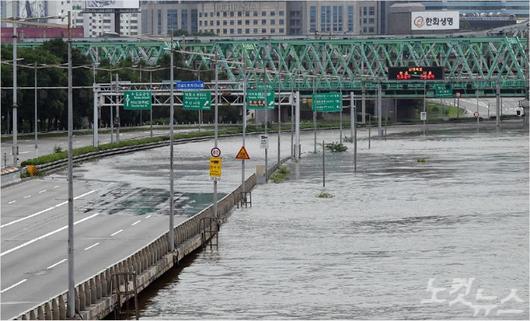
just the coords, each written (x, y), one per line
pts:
(242, 154)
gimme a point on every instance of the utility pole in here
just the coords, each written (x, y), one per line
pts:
(171, 237)
(379, 111)
(151, 110)
(35, 125)
(340, 119)
(424, 108)
(291, 100)
(95, 126)
(71, 281)
(14, 150)
(244, 126)
(266, 129)
(118, 121)
(216, 133)
(279, 112)
(314, 122)
(298, 148)
(498, 105)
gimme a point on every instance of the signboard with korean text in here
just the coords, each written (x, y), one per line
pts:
(327, 102)
(137, 100)
(260, 99)
(434, 20)
(416, 73)
(189, 85)
(197, 100)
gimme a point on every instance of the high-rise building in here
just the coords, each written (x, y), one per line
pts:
(519, 8)
(333, 17)
(94, 24)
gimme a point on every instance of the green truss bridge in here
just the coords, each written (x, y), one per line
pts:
(473, 65)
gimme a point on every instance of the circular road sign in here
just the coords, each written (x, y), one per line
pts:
(216, 152)
(476, 114)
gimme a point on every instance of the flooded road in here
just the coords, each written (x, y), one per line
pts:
(429, 227)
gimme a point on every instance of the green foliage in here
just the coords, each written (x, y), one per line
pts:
(336, 147)
(280, 174)
(57, 149)
(325, 195)
(421, 160)
(348, 139)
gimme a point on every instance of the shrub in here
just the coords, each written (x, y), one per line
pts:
(280, 174)
(336, 147)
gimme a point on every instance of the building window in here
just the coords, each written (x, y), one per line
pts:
(211, 15)
(225, 22)
(281, 13)
(200, 14)
(247, 13)
(313, 19)
(273, 30)
(325, 18)
(224, 14)
(281, 30)
(255, 30)
(263, 13)
(273, 22)
(263, 21)
(184, 19)
(194, 19)
(218, 22)
(231, 31)
(231, 13)
(263, 30)
(159, 22)
(371, 20)
(350, 19)
(371, 29)
(224, 31)
(247, 30)
(372, 11)
(211, 22)
(255, 21)
(239, 13)
(337, 18)
(365, 11)
(239, 31)
(255, 14)
(231, 22)
(239, 22)
(281, 21)
(247, 22)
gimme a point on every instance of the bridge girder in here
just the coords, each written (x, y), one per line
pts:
(469, 62)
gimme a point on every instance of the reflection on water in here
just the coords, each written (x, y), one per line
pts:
(459, 218)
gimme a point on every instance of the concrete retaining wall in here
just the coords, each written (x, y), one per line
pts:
(94, 296)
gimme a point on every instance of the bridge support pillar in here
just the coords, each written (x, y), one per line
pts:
(297, 147)
(498, 106)
(363, 106)
(379, 111)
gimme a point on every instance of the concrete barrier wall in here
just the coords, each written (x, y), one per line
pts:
(94, 296)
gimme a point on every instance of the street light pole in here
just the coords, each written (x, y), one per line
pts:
(14, 150)
(216, 134)
(151, 110)
(71, 281)
(171, 173)
(35, 125)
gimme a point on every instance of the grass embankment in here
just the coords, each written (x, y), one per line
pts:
(280, 175)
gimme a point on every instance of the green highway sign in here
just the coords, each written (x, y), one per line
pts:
(137, 100)
(442, 90)
(260, 99)
(197, 100)
(327, 102)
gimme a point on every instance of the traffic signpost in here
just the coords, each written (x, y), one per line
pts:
(137, 100)
(216, 164)
(242, 154)
(264, 142)
(442, 90)
(197, 100)
(327, 102)
(260, 99)
(423, 116)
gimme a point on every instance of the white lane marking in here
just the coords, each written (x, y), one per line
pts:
(148, 216)
(44, 211)
(46, 235)
(16, 284)
(133, 224)
(55, 264)
(27, 196)
(91, 246)
(116, 233)
(11, 202)
(56, 186)
(44, 190)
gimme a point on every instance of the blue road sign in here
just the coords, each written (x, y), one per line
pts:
(184, 85)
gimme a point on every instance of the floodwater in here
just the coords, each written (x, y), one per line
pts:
(429, 227)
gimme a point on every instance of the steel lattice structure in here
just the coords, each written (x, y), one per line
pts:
(471, 64)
